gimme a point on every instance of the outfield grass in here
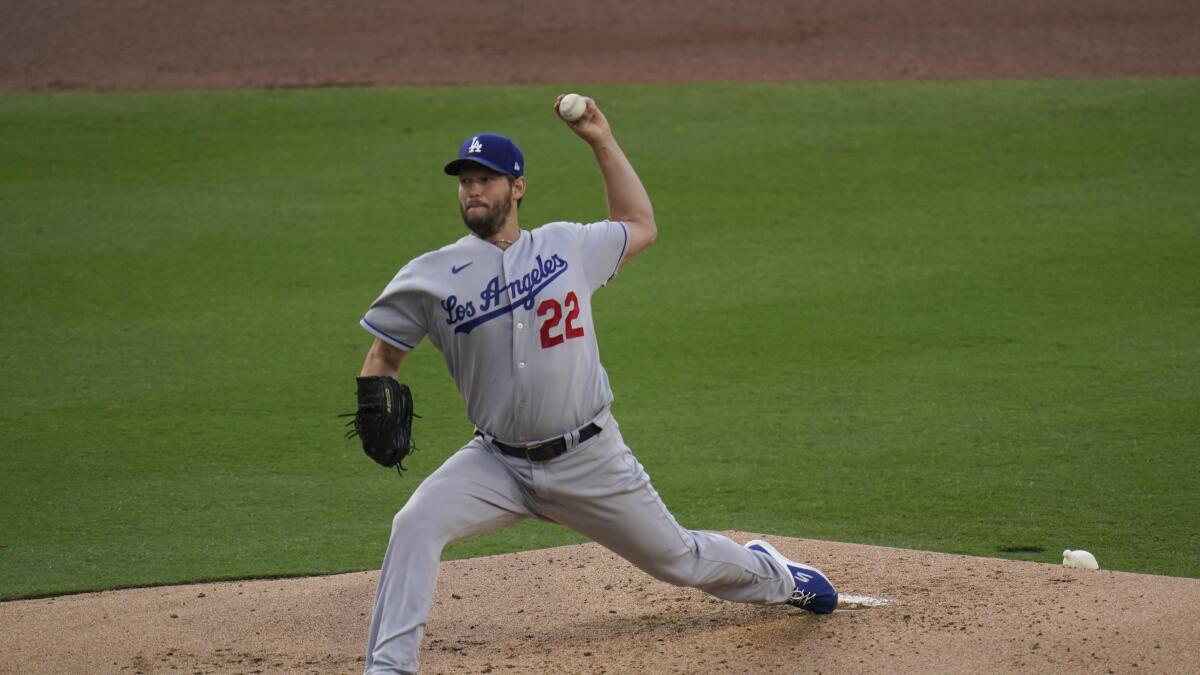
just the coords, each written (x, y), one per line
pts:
(949, 316)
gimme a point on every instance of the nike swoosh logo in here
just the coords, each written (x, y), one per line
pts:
(458, 268)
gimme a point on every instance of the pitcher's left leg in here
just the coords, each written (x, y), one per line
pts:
(601, 491)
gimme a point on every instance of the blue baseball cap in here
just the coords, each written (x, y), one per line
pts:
(494, 151)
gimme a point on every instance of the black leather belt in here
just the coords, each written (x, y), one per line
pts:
(543, 452)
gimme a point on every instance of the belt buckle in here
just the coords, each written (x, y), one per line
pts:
(528, 451)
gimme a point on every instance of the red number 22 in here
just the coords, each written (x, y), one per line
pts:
(555, 310)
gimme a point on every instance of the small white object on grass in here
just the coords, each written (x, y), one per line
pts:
(1080, 559)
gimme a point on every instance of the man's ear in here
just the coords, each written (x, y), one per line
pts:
(519, 187)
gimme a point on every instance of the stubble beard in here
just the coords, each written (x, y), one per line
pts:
(486, 225)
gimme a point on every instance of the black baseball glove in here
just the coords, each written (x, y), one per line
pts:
(384, 420)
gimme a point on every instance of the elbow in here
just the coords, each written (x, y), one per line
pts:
(642, 233)
(648, 229)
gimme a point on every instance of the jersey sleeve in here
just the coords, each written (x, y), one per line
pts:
(603, 245)
(398, 316)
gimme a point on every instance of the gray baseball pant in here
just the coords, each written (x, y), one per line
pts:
(597, 489)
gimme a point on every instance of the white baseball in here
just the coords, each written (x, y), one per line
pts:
(572, 107)
(1080, 559)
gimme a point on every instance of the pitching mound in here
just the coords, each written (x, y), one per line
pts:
(582, 609)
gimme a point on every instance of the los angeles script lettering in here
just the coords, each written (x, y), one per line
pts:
(520, 290)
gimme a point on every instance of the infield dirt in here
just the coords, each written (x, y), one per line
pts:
(133, 44)
(579, 608)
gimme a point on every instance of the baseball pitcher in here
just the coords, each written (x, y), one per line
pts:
(510, 309)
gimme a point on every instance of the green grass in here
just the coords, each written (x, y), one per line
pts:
(948, 316)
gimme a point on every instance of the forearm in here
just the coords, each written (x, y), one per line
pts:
(382, 359)
(627, 197)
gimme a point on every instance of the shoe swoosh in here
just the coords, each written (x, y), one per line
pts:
(458, 268)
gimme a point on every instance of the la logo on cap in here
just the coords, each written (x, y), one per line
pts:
(476, 146)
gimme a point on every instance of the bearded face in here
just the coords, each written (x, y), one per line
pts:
(486, 219)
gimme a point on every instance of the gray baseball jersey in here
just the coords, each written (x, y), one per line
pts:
(514, 326)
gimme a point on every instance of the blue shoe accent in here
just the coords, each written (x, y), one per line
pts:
(812, 591)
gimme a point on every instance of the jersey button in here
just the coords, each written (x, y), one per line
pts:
(520, 325)
(521, 364)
